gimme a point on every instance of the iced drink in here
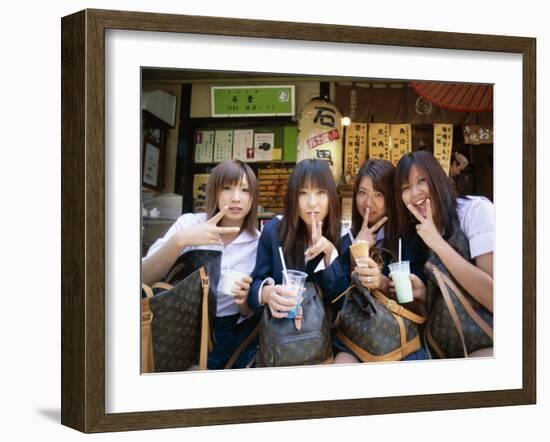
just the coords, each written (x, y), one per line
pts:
(228, 279)
(295, 280)
(399, 273)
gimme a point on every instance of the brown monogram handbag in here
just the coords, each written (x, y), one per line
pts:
(147, 357)
(457, 324)
(304, 340)
(375, 327)
(177, 314)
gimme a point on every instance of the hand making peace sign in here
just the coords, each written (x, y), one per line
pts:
(426, 228)
(208, 233)
(319, 243)
(369, 233)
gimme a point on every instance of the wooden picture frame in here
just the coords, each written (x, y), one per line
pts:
(83, 220)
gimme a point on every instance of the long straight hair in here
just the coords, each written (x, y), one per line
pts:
(381, 172)
(231, 173)
(293, 234)
(443, 196)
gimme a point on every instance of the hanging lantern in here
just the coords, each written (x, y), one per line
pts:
(320, 134)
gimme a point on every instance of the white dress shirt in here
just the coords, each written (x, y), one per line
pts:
(240, 254)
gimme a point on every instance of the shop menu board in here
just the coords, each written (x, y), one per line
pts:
(151, 164)
(200, 181)
(379, 141)
(443, 144)
(223, 145)
(401, 143)
(347, 204)
(272, 185)
(387, 141)
(355, 151)
(263, 144)
(204, 146)
(243, 144)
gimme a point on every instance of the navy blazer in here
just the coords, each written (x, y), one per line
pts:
(333, 280)
(413, 250)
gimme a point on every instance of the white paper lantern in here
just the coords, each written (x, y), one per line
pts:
(320, 134)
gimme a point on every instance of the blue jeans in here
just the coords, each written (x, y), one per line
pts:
(339, 346)
(229, 335)
(417, 355)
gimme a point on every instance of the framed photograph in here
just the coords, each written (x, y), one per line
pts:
(152, 164)
(103, 53)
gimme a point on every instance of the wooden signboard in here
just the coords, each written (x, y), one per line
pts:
(477, 134)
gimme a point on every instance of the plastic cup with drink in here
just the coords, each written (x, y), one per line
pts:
(227, 280)
(294, 280)
(400, 274)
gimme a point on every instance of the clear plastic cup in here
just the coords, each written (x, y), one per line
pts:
(296, 281)
(399, 273)
(227, 280)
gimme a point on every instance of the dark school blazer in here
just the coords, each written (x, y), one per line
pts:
(333, 280)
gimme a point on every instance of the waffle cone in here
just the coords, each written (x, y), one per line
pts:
(359, 249)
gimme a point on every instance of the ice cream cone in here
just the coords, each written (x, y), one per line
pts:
(359, 249)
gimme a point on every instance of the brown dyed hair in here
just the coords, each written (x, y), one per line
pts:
(381, 172)
(231, 172)
(443, 196)
(293, 234)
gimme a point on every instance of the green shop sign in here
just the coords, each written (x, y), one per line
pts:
(252, 101)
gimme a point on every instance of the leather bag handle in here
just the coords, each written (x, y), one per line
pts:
(147, 355)
(366, 301)
(445, 283)
(395, 355)
(241, 347)
(451, 308)
(205, 326)
(467, 306)
(162, 285)
(398, 309)
(148, 291)
(174, 272)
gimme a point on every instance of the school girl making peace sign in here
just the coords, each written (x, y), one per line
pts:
(427, 195)
(228, 226)
(308, 233)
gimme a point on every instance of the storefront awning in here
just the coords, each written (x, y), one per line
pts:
(456, 96)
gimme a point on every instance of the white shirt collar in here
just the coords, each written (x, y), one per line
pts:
(246, 236)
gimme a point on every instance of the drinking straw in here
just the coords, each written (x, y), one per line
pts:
(399, 249)
(283, 262)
